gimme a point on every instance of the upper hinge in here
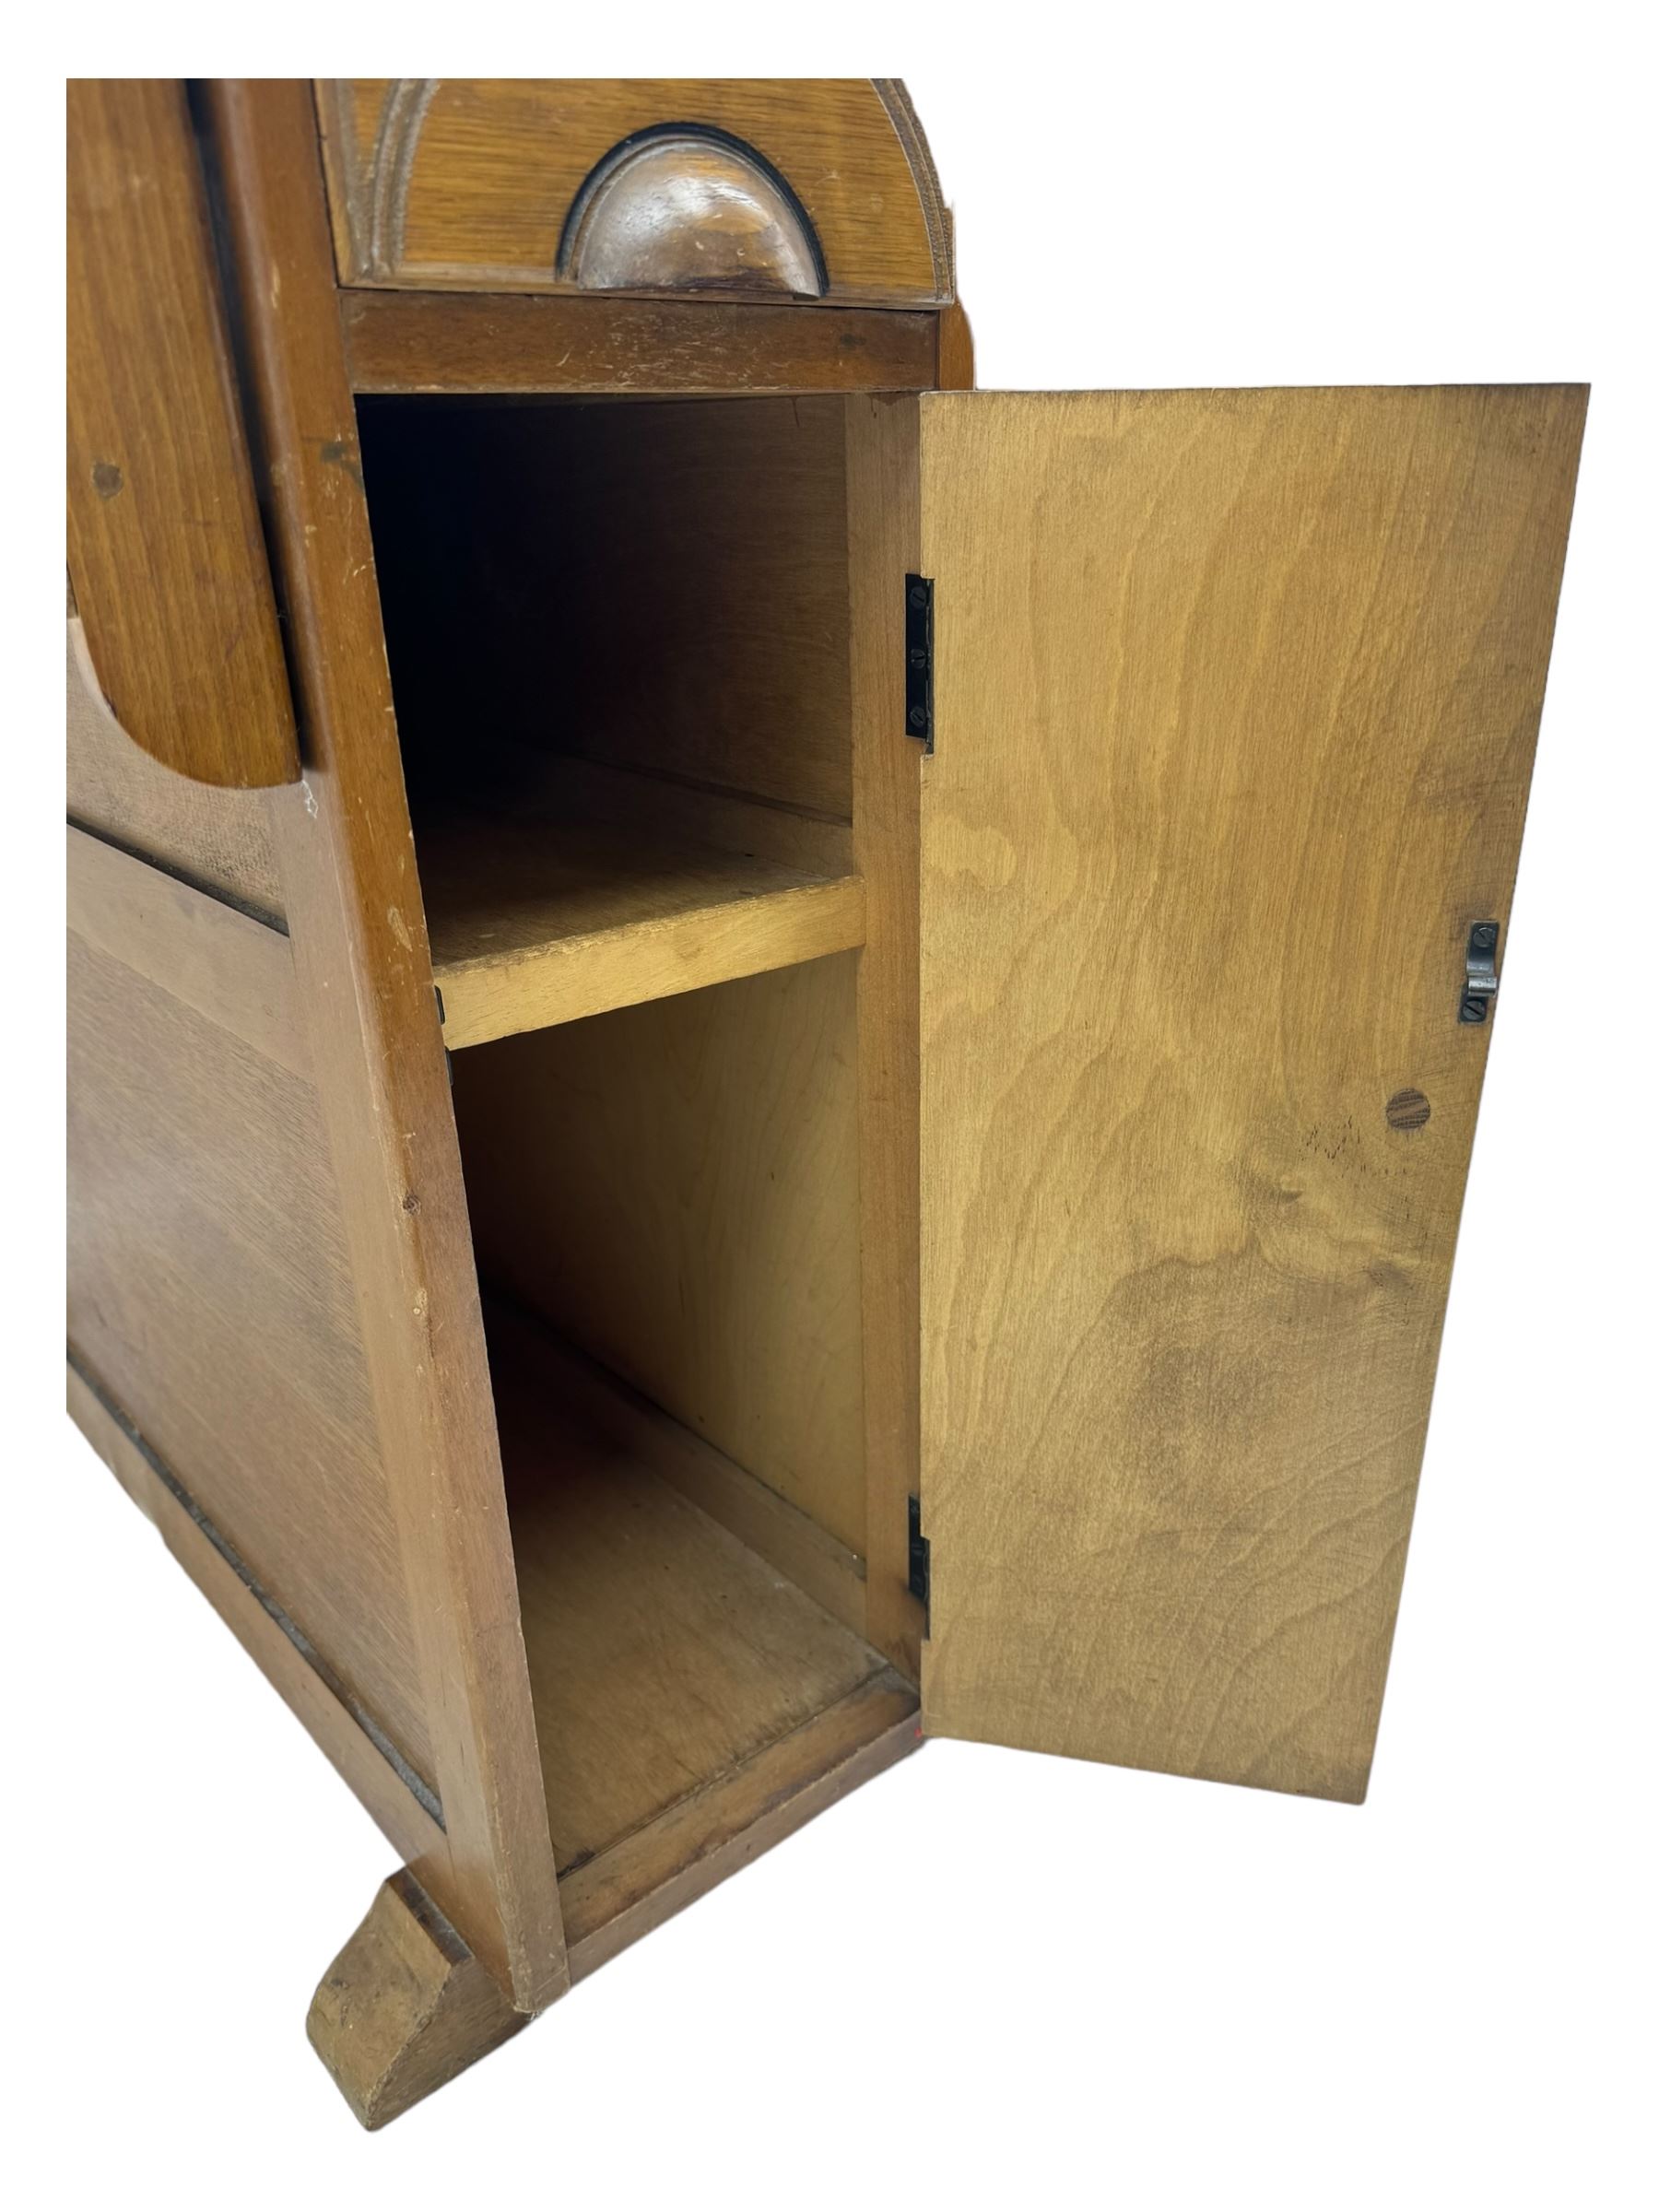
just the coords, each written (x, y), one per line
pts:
(918, 660)
(921, 1566)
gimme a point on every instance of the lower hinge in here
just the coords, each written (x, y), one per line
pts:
(921, 1566)
(918, 660)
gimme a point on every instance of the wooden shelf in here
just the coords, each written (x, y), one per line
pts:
(688, 1697)
(608, 890)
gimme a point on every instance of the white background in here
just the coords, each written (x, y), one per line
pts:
(991, 1978)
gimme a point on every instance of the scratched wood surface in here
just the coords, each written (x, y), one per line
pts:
(1236, 704)
(165, 550)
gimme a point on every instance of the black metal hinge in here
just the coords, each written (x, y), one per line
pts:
(921, 1565)
(918, 660)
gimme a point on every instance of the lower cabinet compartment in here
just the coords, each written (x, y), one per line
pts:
(664, 1204)
(691, 1704)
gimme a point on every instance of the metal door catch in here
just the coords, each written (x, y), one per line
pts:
(1480, 972)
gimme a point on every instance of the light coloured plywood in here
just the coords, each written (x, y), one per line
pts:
(675, 1187)
(547, 915)
(662, 1652)
(1236, 702)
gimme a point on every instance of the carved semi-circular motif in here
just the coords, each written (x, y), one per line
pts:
(810, 188)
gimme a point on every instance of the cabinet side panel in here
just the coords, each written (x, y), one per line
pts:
(213, 836)
(1236, 695)
(209, 1302)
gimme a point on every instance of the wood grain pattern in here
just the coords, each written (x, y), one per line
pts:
(437, 342)
(638, 1430)
(640, 1882)
(236, 971)
(717, 534)
(337, 1730)
(675, 1187)
(662, 1652)
(538, 918)
(210, 835)
(209, 1290)
(883, 536)
(360, 955)
(406, 2007)
(165, 549)
(467, 182)
(1236, 703)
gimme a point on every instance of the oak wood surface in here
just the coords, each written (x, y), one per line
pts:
(406, 2007)
(209, 834)
(1236, 700)
(165, 550)
(709, 1834)
(883, 526)
(302, 1685)
(544, 917)
(675, 1187)
(209, 1291)
(468, 182)
(237, 972)
(361, 959)
(456, 342)
(662, 1652)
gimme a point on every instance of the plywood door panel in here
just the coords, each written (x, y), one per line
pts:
(1236, 702)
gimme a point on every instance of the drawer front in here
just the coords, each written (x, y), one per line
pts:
(734, 187)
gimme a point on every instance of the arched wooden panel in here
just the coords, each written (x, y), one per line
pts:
(166, 554)
(470, 183)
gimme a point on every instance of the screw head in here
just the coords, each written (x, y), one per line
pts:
(1474, 1007)
(1484, 935)
(918, 718)
(918, 594)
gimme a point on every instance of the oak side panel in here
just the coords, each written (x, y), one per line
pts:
(237, 972)
(165, 550)
(209, 1293)
(214, 837)
(1236, 702)
(325, 1717)
(365, 978)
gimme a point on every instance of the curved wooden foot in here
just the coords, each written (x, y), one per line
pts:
(406, 2007)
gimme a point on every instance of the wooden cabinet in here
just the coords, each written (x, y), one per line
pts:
(836, 1105)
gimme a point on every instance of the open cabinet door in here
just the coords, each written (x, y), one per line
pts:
(1235, 701)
